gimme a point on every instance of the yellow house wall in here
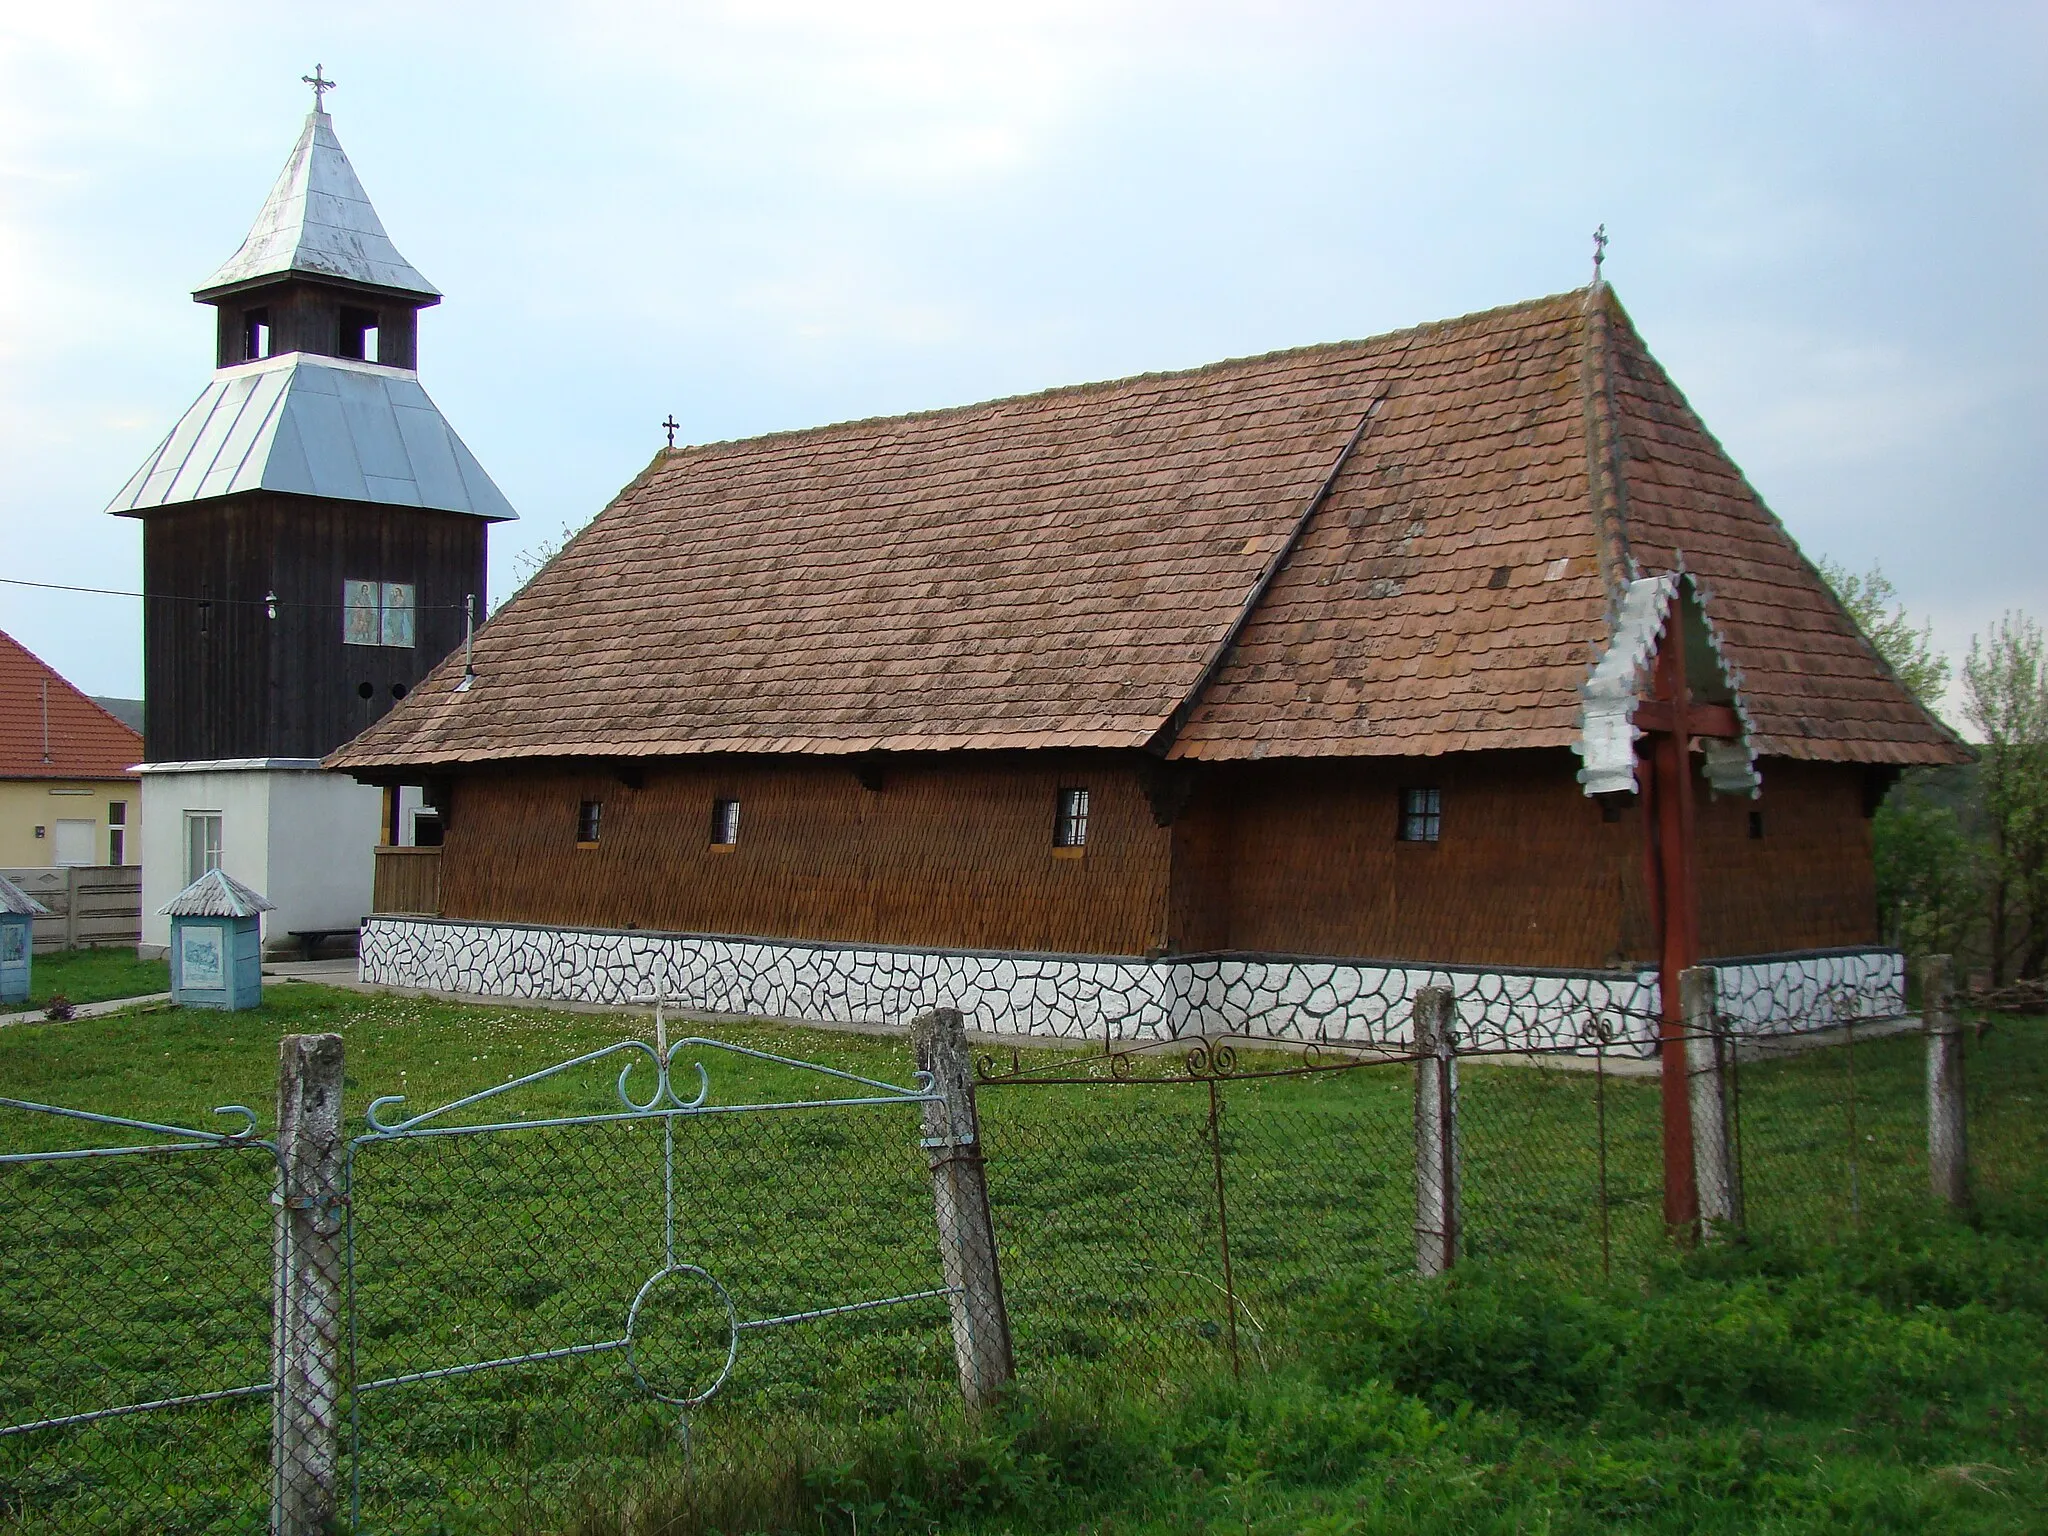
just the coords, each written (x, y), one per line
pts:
(26, 804)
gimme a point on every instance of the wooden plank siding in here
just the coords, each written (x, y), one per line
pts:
(305, 316)
(1286, 858)
(228, 681)
(407, 880)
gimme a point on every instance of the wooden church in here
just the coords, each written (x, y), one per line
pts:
(1462, 647)
(313, 538)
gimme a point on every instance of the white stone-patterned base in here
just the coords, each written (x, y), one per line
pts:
(1771, 994)
(1079, 997)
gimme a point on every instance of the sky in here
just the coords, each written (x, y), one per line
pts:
(1827, 221)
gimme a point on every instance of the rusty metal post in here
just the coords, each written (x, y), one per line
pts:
(1435, 1015)
(967, 1241)
(1948, 1130)
(1223, 1228)
(1706, 1055)
(306, 1321)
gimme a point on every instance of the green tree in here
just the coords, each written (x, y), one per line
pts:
(1874, 603)
(2005, 699)
(1929, 885)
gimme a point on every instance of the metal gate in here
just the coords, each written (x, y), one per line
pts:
(554, 1306)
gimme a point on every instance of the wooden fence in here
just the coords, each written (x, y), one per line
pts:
(89, 907)
(408, 880)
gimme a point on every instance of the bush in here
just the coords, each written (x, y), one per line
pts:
(1491, 1338)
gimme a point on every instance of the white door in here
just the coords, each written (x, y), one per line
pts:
(77, 842)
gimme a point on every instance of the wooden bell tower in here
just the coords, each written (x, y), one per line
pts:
(313, 529)
(313, 543)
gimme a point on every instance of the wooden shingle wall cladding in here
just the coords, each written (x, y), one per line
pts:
(1302, 858)
(225, 680)
(945, 853)
(1808, 883)
(1526, 872)
(1297, 857)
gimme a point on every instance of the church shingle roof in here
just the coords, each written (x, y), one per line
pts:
(1077, 568)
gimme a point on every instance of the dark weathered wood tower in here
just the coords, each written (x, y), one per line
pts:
(313, 529)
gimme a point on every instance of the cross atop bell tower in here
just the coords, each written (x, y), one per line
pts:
(321, 87)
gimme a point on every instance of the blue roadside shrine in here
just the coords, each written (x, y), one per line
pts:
(18, 914)
(217, 943)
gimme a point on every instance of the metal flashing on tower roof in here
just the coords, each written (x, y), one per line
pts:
(217, 894)
(315, 426)
(318, 222)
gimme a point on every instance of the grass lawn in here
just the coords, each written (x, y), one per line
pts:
(1860, 1364)
(95, 976)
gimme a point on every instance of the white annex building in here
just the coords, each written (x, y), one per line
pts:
(313, 543)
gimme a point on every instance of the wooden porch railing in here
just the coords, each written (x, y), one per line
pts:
(408, 880)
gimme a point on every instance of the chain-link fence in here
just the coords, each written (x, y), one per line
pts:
(584, 1296)
(660, 1284)
(554, 1320)
(135, 1294)
(1157, 1205)
(2003, 1045)
(1187, 1201)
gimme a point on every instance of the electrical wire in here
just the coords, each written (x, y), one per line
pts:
(271, 602)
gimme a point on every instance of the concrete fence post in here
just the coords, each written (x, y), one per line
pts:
(1435, 1016)
(1707, 1050)
(1948, 1130)
(306, 1317)
(967, 1240)
(71, 907)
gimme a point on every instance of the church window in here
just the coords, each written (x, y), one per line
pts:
(725, 823)
(377, 613)
(202, 843)
(1422, 815)
(255, 334)
(588, 814)
(358, 335)
(1070, 819)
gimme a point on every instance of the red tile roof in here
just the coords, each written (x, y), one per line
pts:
(1083, 567)
(85, 742)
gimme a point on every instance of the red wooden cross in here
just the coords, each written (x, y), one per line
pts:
(1669, 719)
